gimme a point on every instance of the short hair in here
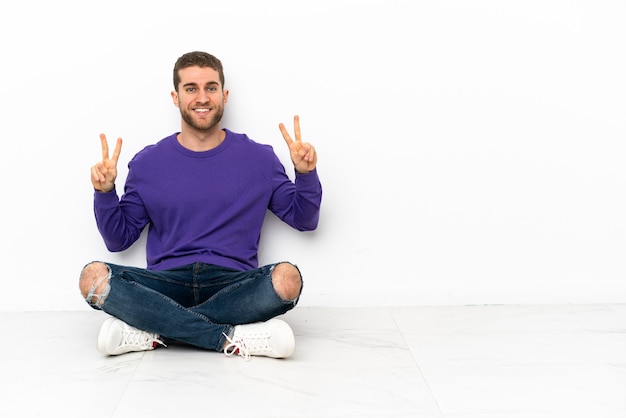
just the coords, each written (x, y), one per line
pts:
(200, 59)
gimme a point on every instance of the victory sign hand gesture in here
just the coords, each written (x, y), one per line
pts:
(103, 174)
(303, 154)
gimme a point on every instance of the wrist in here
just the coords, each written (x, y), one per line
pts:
(103, 190)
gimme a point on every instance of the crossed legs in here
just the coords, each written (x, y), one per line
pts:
(199, 324)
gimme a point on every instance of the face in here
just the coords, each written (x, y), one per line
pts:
(200, 98)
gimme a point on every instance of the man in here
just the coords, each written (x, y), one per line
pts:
(203, 193)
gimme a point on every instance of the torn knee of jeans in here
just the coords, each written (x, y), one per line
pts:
(287, 281)
(99, 289)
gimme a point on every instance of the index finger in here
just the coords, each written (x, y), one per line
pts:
(283, 130)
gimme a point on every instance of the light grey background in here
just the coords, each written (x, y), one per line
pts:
(470, 151)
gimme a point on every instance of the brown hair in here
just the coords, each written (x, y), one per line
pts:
(200, 59)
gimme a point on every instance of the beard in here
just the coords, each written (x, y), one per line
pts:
(203, 124)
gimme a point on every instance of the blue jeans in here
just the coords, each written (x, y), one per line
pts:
(196, 304)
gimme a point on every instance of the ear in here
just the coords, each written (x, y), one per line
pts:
(225, 96)
(175, 97)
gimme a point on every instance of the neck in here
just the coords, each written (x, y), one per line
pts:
(198, 141)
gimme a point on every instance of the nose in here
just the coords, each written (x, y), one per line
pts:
(203, 96)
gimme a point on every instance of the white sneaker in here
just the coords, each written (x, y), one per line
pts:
(117, 337)
(273, 338)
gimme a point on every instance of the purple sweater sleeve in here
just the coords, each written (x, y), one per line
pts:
(299, 206)
(119, 224)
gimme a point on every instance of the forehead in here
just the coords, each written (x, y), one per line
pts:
(198, 75)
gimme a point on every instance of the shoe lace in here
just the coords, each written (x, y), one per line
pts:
(138, 338)
(244, 347)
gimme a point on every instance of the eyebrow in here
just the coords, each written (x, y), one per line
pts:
(210, 83)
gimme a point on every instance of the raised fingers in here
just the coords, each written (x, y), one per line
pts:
(105, 148)
(296, 126)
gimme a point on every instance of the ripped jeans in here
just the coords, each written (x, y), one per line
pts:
(196, 304)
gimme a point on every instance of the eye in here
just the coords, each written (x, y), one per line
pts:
(190, 89)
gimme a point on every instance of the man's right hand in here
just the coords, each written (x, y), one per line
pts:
(103, 174)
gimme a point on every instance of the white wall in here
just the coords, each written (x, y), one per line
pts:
(470, 151)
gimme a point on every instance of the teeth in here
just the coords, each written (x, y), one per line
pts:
(202, 110)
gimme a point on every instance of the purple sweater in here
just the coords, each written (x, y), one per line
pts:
(205, 206)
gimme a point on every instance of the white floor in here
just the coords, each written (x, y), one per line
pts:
(463, 361)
